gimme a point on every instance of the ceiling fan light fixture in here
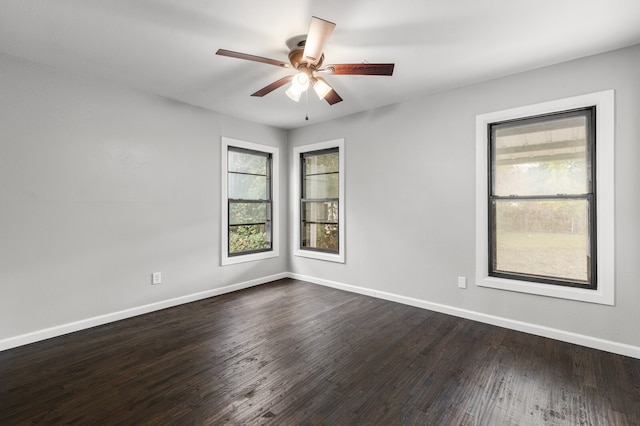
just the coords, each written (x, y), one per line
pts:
(321, 88)
(294, 93)
(300, 81)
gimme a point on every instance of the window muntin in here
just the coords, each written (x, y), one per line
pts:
(320, 199)
(542, 199)
(249, 201)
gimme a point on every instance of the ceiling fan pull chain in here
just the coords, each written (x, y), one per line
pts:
(306, 101)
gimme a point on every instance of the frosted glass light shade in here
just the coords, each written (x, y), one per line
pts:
(294, 93)
(301, 81)
(321, 88)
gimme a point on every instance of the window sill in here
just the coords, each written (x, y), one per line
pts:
(330, 257)
(233, 260)
(579, 294)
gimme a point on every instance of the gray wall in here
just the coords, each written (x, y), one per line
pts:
(410, 197)
(100, 186)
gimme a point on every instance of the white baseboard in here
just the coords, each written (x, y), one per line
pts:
(538, 330)
(552, 333)
(47, 333)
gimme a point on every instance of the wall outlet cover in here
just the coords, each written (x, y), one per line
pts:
(462, 282)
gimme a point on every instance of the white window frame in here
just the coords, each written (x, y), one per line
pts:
(314, 254)
(604, 294)
(275, 201)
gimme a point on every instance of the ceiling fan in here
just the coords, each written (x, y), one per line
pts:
(307, 58)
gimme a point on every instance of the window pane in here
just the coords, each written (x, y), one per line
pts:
(245, 213)
(320, 211)
(541, 157)
(247, 187)
(546, 238)
(248, 238)
(322, 163)
(320, 236)
(244, 162)
(321, 186)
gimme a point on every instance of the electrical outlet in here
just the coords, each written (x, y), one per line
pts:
(156, 278)
(462, 282)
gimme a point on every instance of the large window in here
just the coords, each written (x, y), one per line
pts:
(545, 199)
(249, 202)
(319, 171)
(542, 199)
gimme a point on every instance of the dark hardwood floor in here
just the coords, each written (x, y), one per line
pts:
(289, 353)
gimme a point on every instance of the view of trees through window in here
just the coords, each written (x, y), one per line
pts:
(249, 193)
(542, 198)
(320, 200)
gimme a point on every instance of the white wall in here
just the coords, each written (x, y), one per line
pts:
(100, 186)
(410, 198)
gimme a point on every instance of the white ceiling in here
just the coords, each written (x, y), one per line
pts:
(167, 47)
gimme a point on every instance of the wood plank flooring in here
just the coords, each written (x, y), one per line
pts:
(290, 353)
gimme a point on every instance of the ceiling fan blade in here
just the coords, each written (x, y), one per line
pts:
(319, 32)
(359, 69)
(332, 97)
(273, 86)
(254, 58)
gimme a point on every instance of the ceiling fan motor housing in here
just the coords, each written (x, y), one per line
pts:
(298, 62)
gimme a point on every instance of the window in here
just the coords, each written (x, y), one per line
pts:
(542, 199)
(249, 213)
(545, 199)
(319, 170)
